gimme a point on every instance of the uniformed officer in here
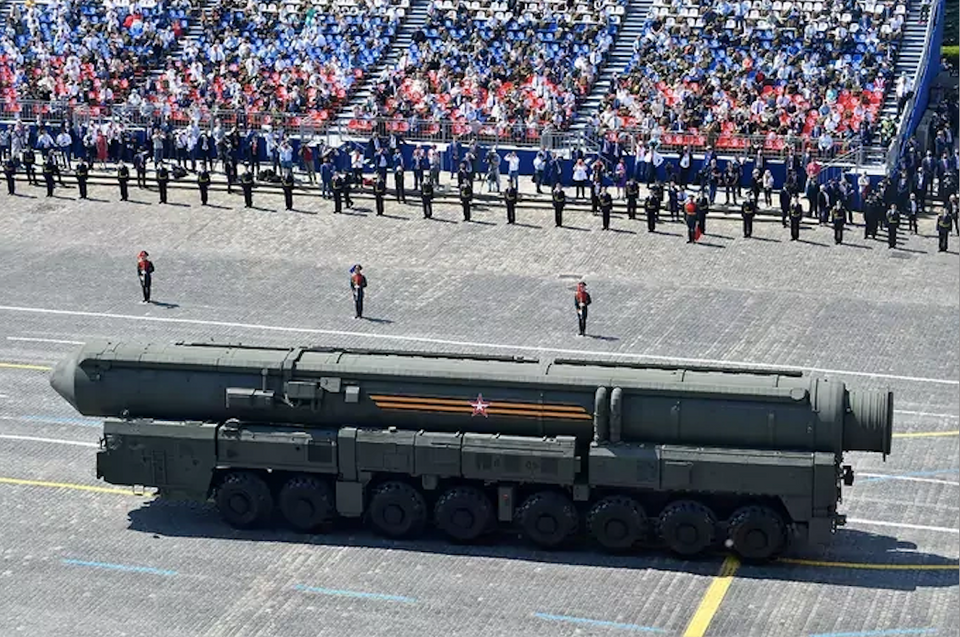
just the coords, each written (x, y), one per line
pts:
(870, 213)
(358, 284)
(606, 207)
(337, 185)
(49, 172)
(163, 178)
(559, 200)
(466, 196)
(140, 167)
(230, 168)
(29, 166)
(944, 223)
(510, 197)
(347, 185)
(287, 184)
(145, 274)
(123, 179)
(893, 222)
(379, 193)
(246, 184)
(398, 181)
(203, 183)
(632, 192)
(426, 196)
(838, 217)
(690, 212)
(703, 209)
(10, 172)
(581, 301)
(748, 210)
(83, 173)
(651, 205)
(796, 214)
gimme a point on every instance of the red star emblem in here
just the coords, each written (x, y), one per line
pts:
(479, 407)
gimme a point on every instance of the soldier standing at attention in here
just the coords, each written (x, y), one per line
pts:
(426, 196)
(379, 192)
(605, 201)
(230, 169)
(145, 273)
(838, 217)
(357, 284)
(203, 183)
(510, 198)
(796, 214)
(559, 200)
(466, 196)
(140, 167)
(784, 204)
(632, 190)
(748, 210)
(346, 191)
(336, 185)
(123, 179)
(651, 205)
(163, 177)
(246, 184)
(582, 300)
(287, 184)
(83, 173)
(893, 222)
(49, 169)
(10, 172)
(29, 160)
(398, 178)
(870, 217)
(690, 211)
(703, 209)
(944, 223)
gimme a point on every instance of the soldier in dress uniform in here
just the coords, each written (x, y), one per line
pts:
(784, 204)
(163, 178)
(651, 205)
(379, 193)
(838, 217)
(358, 284)
(893, 222)
(203, 183)
(510, 197)
(83, 173)
(29, 166)
(230, 170)
(632, 192)
(246, 184)
(337, 185)
(466, 196)
(49, 172)
(748, 211)
(581, 301)
(605, 201)
(426, 196)
(559, 200)
(944, 223)
(703, 209)
(123, 180)
(10, 172)
(870, 216)
(796, 214)
(398, 180)
(287, 184)
(145, 274)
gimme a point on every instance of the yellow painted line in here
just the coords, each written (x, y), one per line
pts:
(868, 566)
(710, 603)
(926, 434)
(39, 368)
(65, 485)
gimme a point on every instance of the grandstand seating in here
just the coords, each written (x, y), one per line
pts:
(706, 71)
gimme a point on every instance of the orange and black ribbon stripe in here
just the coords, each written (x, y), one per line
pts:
(494, 407)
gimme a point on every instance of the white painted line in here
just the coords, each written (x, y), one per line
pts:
(440, 341)
(43, 340)
(56, 441)
(904, 525)
(925, 413)
(887, 476)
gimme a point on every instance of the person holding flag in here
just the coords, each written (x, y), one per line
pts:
(582, 300)
(145, 273)
(358, 283)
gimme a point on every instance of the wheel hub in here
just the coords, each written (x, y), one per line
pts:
(393, 514)
(304, 509)
(687, 534)
(463, 518)
(755, 539)
(239, 504)
(616, 529)
(547, 525)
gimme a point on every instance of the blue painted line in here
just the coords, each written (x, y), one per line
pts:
(598, 622)
(122, 567)
(881, 633)
(358, 594)
(915, 474)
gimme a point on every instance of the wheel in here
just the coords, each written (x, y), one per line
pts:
(306, 503)
(757, 533)
(617, 523)
(463, 514)
(687, 527)
(244, 500)
(548, 519)
(397, 510)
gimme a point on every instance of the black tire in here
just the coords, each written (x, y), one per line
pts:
(548, 519)
(687, 527)
(306, 503)
(617, 523)
(757, 533)
(397, 510)
(244, 500)
(463, 514)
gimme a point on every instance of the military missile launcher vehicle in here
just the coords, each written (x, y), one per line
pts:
(690, 457)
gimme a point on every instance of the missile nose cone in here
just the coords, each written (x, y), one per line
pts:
(62, 379)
